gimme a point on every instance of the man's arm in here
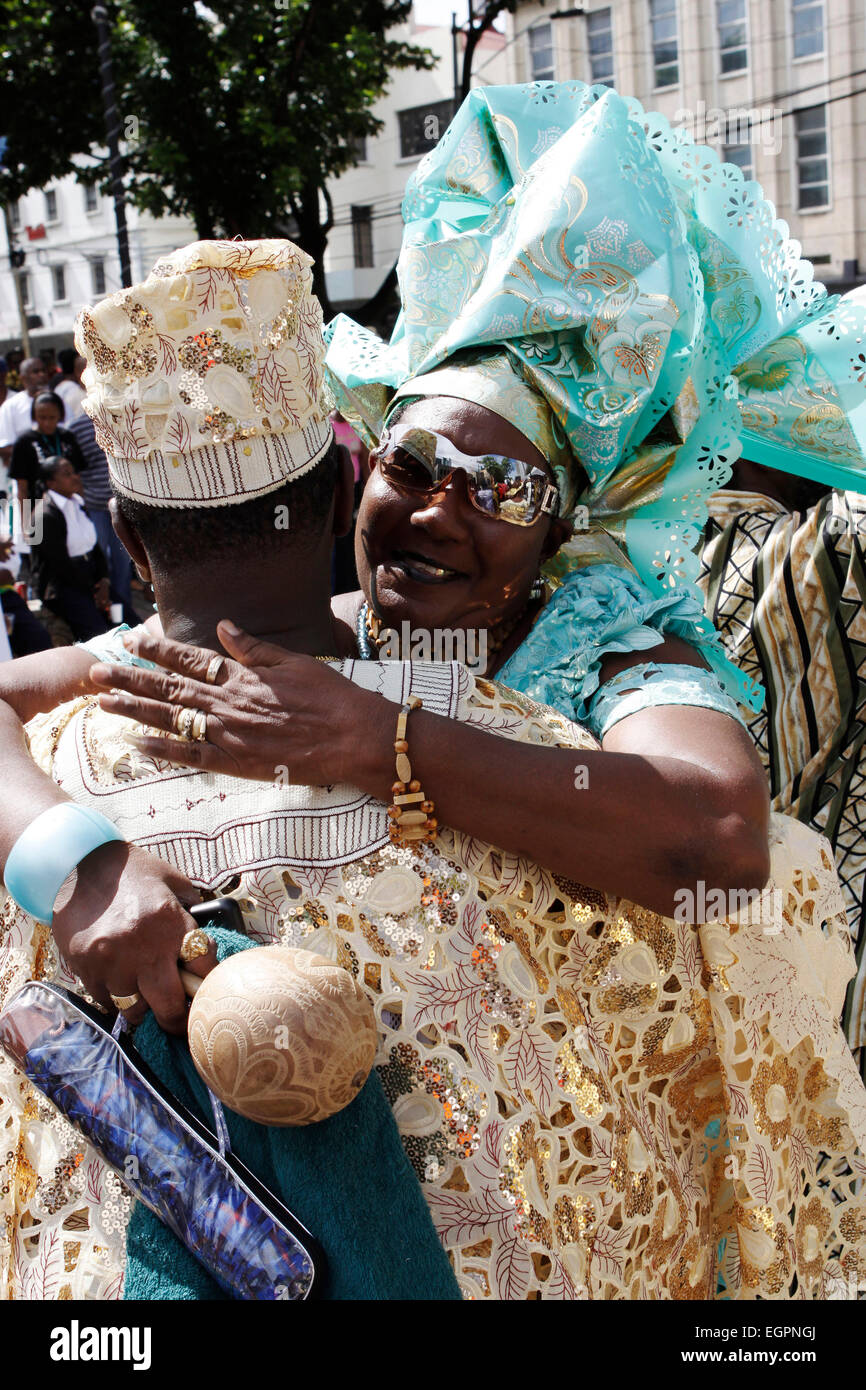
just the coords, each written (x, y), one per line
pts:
(121, 927)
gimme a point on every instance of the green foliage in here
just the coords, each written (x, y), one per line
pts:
(49, 91)
(242, 108)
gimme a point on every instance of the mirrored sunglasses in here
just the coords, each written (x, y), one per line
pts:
(420, 461)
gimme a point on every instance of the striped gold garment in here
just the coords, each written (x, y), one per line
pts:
(787, 591)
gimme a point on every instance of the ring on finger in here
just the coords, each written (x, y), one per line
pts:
(195, 943)
(212, 674)
(184, 721)
(198, 729)
(124, 1001)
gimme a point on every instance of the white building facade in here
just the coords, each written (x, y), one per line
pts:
(415, 110)
(67, 232)
(772, 83)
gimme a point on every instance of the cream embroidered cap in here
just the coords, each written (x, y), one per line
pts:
(204, 383)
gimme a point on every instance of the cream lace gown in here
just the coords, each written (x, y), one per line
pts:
(599, 1102)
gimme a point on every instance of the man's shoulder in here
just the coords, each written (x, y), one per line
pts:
(500, 710)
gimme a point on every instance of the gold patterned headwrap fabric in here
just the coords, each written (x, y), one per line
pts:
(492, 380)
(627, 274)
(204, 383)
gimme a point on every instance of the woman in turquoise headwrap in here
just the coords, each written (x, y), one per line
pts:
(579, 286)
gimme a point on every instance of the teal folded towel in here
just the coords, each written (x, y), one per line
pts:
(347, 1179)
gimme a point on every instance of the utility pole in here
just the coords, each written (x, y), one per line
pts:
(99, 15)
(16, 260)
(455, 30)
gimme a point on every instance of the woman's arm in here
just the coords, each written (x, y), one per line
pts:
(676, 796)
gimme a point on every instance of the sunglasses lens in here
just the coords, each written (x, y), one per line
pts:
(504, 488)
(405, 471)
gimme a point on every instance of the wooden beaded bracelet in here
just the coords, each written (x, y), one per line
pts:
(411, 812)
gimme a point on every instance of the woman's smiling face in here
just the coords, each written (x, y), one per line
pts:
(437, 561)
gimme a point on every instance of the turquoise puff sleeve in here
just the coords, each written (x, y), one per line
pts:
(606, 608)
(108, 647)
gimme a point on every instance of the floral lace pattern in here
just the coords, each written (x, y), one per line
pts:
(596, 1099)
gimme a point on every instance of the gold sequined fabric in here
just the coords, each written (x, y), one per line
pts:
(204, 382)
(600, 1103)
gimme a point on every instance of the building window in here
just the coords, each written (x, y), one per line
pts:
(599, 31)
(663, 23)
(362, 235)
(541, 53)
(50, 205)
(741, 155)
(26, 293)
(58, 278)
(807, 23)
(91, 198)
(97, 272)
(737, 147)
(733, 48)
(358, 146)
(813, 170)
(15, 215)
(422, 126)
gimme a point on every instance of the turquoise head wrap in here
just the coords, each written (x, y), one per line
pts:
(635, 282)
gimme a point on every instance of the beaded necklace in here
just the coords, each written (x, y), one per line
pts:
(369, 627)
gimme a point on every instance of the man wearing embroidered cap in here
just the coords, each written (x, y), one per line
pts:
(524, 1019)
(219, 347)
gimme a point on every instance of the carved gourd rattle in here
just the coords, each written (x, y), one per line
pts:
(281, 1036)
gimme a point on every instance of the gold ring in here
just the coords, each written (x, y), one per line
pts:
(195, 943)
(199, 727)
(124, 1001)
(212, 674)
(184, 721)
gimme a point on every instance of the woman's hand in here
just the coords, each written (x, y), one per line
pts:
(122, 928)
(272, 715)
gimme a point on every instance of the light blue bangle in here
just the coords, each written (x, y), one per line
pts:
(45, 854)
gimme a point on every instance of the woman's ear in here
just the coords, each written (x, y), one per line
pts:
(344, 492)
(560, 531)
(131, 540)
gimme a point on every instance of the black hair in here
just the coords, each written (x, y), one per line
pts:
(183, 537)
(48, 398)
(66, 358)
(47, 468)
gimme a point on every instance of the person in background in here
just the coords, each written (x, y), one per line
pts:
(97, 495)
(15, 412)
(345, 576)
(69, 567)
(5, 390)
(46, 439)
(15, 358)
(784, 580)
(24, 632)
(68, 384)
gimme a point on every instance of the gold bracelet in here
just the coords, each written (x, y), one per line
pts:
(411, 812)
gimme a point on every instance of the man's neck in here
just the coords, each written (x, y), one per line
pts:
(297, 627)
